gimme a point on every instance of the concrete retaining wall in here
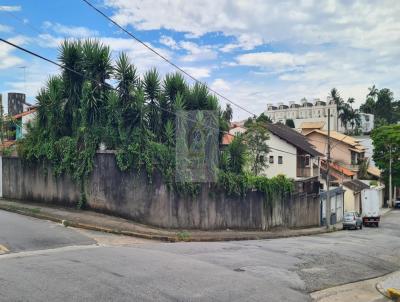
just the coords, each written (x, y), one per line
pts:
(130, 195)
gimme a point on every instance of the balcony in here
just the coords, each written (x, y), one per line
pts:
(303, 172)
(306, 171)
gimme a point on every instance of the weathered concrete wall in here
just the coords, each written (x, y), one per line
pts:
(130, 195)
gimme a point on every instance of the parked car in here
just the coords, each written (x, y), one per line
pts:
(397, 203)
(352, 220)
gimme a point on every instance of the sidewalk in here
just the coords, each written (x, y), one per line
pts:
(105, 223)
(390, 286)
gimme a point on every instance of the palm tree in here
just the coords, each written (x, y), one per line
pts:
(345, 115)
(335, 95)
(373, 92)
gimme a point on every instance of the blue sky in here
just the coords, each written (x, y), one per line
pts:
(255, 52)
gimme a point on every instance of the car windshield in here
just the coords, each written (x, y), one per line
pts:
(349, 214)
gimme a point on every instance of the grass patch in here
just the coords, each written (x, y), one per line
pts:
(24, 209)
(183, 236)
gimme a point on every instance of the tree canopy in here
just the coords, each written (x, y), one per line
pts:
(386, 141)
(382, 104)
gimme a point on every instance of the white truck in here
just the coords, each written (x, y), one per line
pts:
(370, 205)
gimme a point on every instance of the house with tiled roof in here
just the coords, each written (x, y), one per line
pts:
(291, 153)
(346, 152)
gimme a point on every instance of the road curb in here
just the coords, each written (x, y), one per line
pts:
(173, 238)
(70, 223)
(389, 292)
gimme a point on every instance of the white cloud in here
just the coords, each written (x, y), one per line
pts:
(5, 28)
(220, 85)
(197, 52)
(36, 75)
(277, 59)
(360, 24)
(8, 58)
(244, 42)
(198, 72)
(308, 46)
(9, 8)
(140, 56)
(70, 31)
(48, 40)
(170, 42)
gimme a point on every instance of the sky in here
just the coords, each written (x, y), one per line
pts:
(255, 52)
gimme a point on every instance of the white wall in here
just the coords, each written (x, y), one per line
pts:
(289, 162)
(25, 120)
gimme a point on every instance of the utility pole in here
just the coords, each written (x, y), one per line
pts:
(328, 197)
(390, 177)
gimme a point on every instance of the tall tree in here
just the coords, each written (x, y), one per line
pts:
(384, 105)
(228, 113)
(256, 138)
(335, 95)
(237, 154)
(381, 103)
(386, 141)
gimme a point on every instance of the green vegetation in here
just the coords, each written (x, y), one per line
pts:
(183, 236)
(256, 138)
(76, 114)
(347, 115)
(382, 104)
(240, 184)
(290, 123)
(386, 141)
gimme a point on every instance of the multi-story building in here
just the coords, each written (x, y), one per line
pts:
(315, 111)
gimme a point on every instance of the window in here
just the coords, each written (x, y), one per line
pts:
(307, 161)
(271, 159)
(353, 158)
(280, 160)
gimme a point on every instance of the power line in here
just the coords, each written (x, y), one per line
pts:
(164, 58)
(113, 88)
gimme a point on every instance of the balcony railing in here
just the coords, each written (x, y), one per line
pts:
(304, 172)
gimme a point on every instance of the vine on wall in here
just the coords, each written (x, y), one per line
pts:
(136, 117)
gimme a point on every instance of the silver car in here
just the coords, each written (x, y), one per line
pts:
(352, 220)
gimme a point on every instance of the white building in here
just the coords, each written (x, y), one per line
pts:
(315, 111)
(291, 154)
(367, 122)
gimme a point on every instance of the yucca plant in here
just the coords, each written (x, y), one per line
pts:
(152, 89)
(126, 76)
(71, 56)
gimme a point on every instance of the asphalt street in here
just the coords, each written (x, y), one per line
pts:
(48, 262)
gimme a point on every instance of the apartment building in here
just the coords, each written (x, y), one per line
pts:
(314, 111)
